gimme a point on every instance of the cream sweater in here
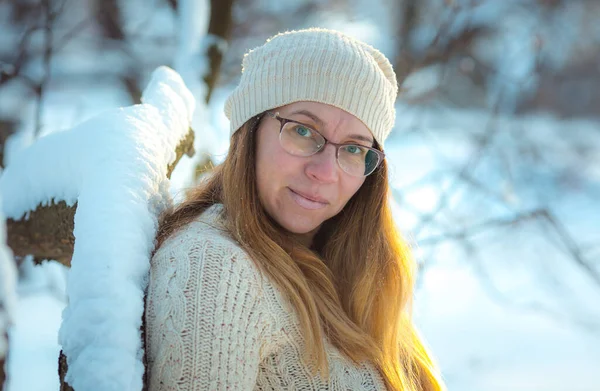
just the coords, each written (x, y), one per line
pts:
(214, 322)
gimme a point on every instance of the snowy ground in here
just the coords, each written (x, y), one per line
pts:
(33, 361)
(34, 349)
(484, 346)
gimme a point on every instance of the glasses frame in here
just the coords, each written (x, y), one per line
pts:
(284, 121)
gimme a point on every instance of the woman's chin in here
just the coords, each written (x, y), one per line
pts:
(301, 229)
(300, 226)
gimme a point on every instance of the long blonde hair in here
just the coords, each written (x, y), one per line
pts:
(355, 286)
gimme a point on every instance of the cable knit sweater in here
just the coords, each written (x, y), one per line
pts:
(214, 322)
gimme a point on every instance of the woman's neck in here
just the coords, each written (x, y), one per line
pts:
(307, 238)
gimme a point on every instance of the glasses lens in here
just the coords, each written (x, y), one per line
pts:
(358, 160)
(300, 140)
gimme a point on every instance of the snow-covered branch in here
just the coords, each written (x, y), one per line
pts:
(113, 168)
(49, 208)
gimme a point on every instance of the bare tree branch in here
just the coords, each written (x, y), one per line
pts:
(49, 20)
(62, 372)
(466, 234)
(9, 73)
(47, 233)
(494, 293)
(407, 61)
(3, 359)
(131, 85)
(484, 144)
(567, 239)
(7, 128)
(220, 27)
(173, 4)
(108, 15)
(572, 247)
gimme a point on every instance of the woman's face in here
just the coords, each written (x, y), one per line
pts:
(300, 193)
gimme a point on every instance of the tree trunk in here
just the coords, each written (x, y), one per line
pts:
(3, 362)
(62, 372)
(219, 26)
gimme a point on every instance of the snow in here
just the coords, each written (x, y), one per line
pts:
(8, 280)
(193, 26)
(191, 63)
(487, 345)
(114, 166)
(34, 349)
(33, 339)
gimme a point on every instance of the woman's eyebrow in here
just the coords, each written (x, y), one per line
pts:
(321, 124)
(311, 116)
(361, 138)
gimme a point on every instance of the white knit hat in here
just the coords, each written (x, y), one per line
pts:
(317, 65)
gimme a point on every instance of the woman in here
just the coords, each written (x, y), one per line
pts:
(284, 270)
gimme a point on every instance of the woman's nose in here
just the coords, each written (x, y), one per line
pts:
(323, 166)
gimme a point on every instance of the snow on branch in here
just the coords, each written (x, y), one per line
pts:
(42, 186)
(114, 168)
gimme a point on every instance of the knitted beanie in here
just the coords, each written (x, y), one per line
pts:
(317, 65)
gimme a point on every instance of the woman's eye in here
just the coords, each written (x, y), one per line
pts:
(302, 131)
(353, 149)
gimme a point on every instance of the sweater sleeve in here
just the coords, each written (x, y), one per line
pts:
(205, 317)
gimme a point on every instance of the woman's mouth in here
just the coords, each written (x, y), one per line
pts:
(306, 201)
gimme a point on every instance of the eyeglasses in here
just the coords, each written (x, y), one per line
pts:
(299, 139)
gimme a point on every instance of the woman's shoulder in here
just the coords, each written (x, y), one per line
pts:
(205, 243)
(206, 227)
(203, 253)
